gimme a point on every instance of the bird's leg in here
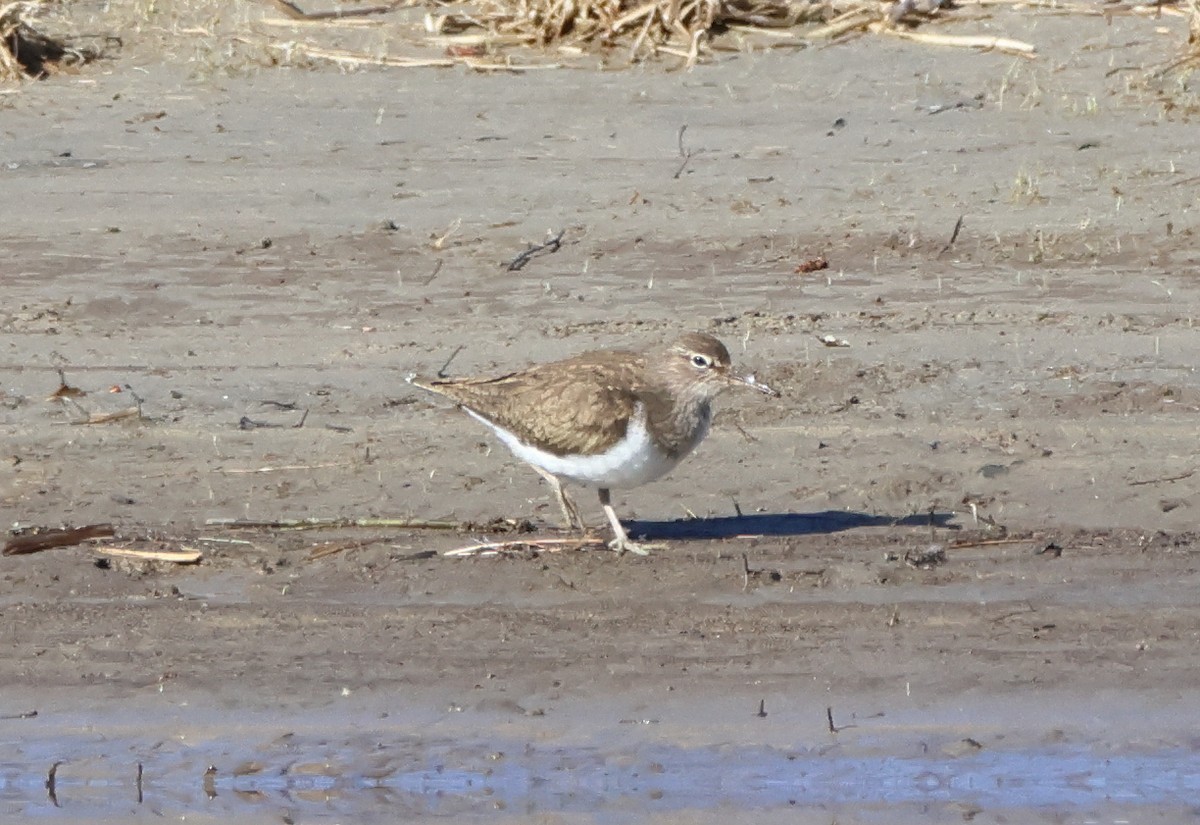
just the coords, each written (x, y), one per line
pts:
(569, 510)
(622, 543)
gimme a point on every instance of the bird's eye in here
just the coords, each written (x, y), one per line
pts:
(701, 361)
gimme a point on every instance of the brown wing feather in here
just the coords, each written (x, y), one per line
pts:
(576, 407)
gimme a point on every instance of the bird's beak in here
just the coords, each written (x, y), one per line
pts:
(750, 381)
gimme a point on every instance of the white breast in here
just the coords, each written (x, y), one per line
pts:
(631, 462)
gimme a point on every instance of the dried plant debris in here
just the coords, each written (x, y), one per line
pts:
(691, 29)
(483, 34)
(1190, 60)
(520, 35)
(679, 28)
(29, 50)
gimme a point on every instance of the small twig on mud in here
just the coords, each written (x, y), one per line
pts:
(279, 405)
(329, 548)
(749, 438)
(290, 9)
(437, 267)
(1163, 480)
(139, 783)
(248, 470)
(296, 13)
(344, 58)
(832, 727)
(953, 236)
(333, 523)
(551, 246)
(762, 709)
(419, 555)
(29, 714)
(247, 423)
(773, 575)
(1003, 617)
(441, 373)
(23, 545)
(959, 545)
(496, 548)
(51, 782)
(686, 154)
(137, 399)
(224, 540)
(105, 418)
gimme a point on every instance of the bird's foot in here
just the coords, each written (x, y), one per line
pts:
(623, 544)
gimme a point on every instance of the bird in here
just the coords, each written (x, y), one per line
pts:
(608, 419)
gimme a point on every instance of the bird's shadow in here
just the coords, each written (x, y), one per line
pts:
(777, 524)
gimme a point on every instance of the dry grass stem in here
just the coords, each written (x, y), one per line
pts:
(294, 12)
(186, 555)
(336, 523)
(347, 58)
(962, 545)
(281, 468)
(986, 43)
(496, 548)
(108, 417)
(858, 19)
(323, 24)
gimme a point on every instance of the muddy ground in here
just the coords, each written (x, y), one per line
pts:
(243, 249)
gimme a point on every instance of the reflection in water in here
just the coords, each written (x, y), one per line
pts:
(374, 780)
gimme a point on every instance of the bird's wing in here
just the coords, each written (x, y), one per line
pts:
(567, 408)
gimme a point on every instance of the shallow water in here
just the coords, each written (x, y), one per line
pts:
(310, 778)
